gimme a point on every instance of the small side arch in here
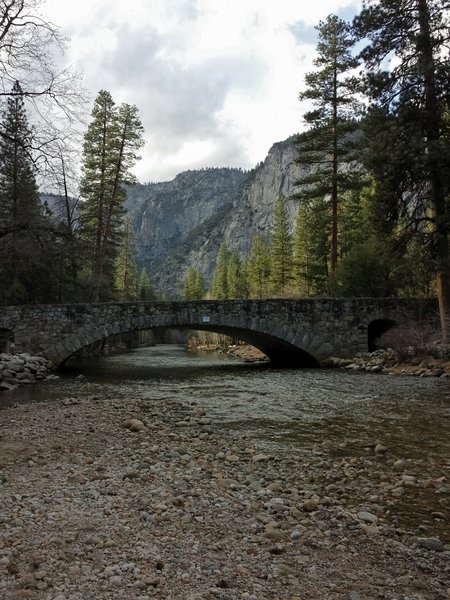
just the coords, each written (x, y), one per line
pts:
(6, 340)
(376, 329)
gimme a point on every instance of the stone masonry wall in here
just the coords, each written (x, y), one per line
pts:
(319, 327)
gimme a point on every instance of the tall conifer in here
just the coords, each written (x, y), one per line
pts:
(126, 271)
(219, 289)
(281, 247)
(145, 288)
(194, 286)
(258, 268)
(328, 143)
(21, 248)
(109, 152)
(236, 280)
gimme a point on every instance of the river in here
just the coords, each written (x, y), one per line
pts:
(331, 419)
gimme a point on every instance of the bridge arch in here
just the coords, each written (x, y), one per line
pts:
(375, 330)
(280, 352)
(6, 339)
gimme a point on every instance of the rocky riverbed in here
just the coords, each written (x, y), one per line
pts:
(146, 497)
(23, 368)
(388, 361)
(379, 361)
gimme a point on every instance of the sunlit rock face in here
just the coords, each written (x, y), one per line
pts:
(183, 222)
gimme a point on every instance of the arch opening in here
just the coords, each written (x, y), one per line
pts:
(279, 352)
(6, 340)
(375, 330)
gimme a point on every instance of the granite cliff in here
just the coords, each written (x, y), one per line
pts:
(183, 222)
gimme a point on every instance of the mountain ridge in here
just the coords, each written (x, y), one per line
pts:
(182, 222)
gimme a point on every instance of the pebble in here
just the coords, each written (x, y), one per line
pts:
(232, 458)
(310, 505)
(134, 425)
(431, 543)
(367, 517)
(380, 449)
(260, 457)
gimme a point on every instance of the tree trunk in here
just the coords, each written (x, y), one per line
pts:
(334, 187)
(433, 161)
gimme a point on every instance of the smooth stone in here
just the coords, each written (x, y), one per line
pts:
(233, 458)
(367, 517)
(431, 543)
(134, 425)
(310, 505)
(380, 449)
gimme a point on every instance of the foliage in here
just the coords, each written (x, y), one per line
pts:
(311, 249)
(194, 286)
(23, 239)
(145, 289)
(409, 151)
(126, 272)
(365, 271)
(258, 268)
(110, 150)
(219, 289)
(30, 51)
(281, 247)
(236, 280)
(329, 143)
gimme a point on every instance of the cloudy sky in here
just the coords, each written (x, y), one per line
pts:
(216, 82)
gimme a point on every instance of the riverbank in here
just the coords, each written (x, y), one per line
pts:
(379, 361)
(146, 497)
(22, 369)
(389, 362)
(243, 352)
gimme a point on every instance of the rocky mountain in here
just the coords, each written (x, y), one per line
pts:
(183, 222)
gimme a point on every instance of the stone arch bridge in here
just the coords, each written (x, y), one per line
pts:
(290, 332)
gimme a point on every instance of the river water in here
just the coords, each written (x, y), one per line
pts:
(329, 417)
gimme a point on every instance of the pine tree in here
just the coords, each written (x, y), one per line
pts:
(329, 143)
(301, 263)
(110, 150)
(311, 249)
(258, 268)
(366, 270)
(145, 289)
(19, 200)
(23, 243)
(411, 109)
(236, 280)
(194, 286)
(281, 247)
(126, 271)
(219, 289)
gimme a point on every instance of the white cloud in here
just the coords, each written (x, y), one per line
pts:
(216, 82)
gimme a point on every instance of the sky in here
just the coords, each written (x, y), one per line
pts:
(216, 82)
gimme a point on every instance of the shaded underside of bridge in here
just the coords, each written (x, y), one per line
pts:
(278, 351)
(290, 332)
